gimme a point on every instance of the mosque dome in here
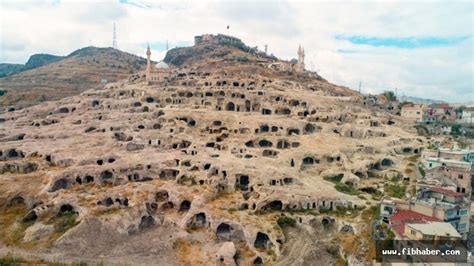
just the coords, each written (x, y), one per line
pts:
(161, 64)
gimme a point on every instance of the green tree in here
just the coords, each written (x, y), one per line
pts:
(390, 95)
(459, 110)
(456, 130)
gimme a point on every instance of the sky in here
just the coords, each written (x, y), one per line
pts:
(420, 48)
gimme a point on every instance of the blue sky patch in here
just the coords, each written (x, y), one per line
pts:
(407, 43)
(134, 3)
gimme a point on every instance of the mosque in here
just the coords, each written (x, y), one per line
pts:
(156, 73)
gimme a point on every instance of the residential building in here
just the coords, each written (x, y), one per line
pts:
(431, 231)
(453, 164)
(456, 154)
(467, 115)
(461, 177)
(400, 218)
(416, 113)
(446, 205)
(440, 112)
(430, 204)
(436, 234)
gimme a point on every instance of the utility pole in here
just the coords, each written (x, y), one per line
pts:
(114, 39)
(166, 45)
(360, 84)
(266, 48)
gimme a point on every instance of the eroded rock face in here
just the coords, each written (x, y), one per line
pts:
(206, 158)
(225, 254)
(38, 231)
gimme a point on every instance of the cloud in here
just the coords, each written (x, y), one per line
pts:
(423, 49)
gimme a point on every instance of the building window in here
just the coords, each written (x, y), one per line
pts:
(460, 176)
(413, 232)
(450, 212)
(462, 227)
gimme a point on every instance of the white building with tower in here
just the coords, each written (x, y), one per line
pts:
(300, 65)
(156, 73)
(294, 65)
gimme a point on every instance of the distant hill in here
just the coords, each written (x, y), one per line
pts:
(49, 77)
(34, 61)
(418, 100)
(10, 69)
(38, 60)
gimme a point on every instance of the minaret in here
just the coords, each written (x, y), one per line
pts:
(300, 66)
(148, 63)
(302, 58)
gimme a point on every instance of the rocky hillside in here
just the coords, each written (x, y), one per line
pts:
(228, 162)
(194, 54)
(47, 77)
(34, 61)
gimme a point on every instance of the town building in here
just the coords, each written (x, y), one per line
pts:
(415, 113)
(432, 204)
(431, 230)
(446, 205)
(440, 112)
(456, 154)
(441, 209)
(398, 221)
(453, 166)
(467, 115)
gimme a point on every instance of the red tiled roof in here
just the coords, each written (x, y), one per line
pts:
(405, 216)
(446, 192)
(440, 105)
(399, 229)
(402, 217)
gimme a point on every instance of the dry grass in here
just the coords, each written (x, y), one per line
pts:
(12, 230)
(107, 211)
(184, 251)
